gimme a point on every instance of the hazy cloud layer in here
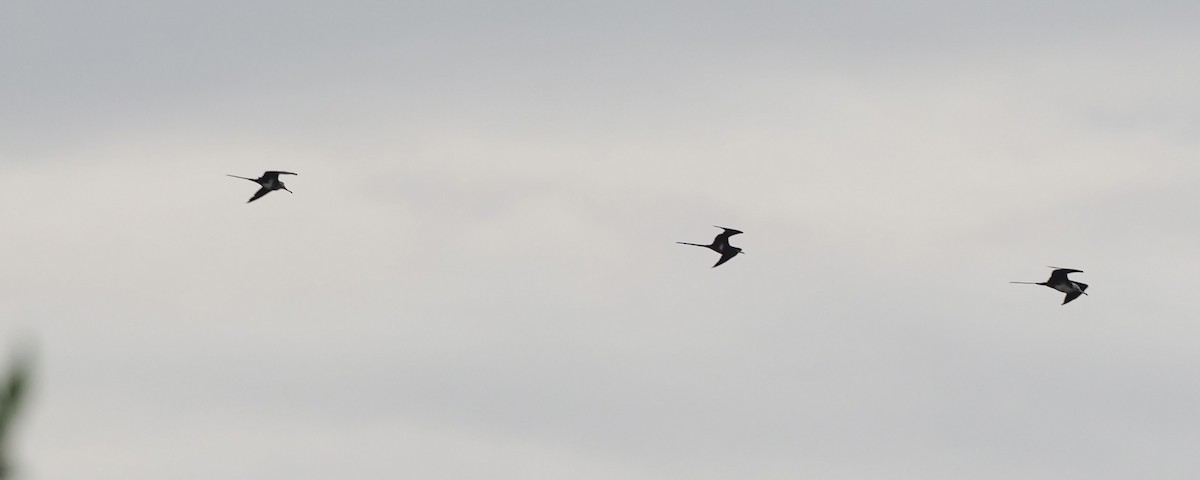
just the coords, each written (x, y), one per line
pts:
(476, 276)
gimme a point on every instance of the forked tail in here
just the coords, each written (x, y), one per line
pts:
(243, 178)
(696, 244)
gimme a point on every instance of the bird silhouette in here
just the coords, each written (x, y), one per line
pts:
(1059, 281)
(269, 181)
(721, 245)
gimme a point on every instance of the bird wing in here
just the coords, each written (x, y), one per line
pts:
(257, 195)
(1071, 296)
(725, 256)
(274, 174)
(1060, 275)
(724, 236)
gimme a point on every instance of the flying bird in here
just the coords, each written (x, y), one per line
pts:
(268, 180)
(721, 245)
(1059, 281)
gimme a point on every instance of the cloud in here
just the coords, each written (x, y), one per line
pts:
(476, 275)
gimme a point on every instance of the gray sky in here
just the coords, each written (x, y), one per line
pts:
(476, 276)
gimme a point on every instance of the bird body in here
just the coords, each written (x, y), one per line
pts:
(721, 245)
(1059, 281)
(269, 182)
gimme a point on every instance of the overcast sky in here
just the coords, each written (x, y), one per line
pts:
(476, 277)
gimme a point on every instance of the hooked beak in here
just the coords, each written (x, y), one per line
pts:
(289, 191)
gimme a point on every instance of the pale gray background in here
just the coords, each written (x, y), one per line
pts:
(476, 277)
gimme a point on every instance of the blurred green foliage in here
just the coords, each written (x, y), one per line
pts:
(12, 394)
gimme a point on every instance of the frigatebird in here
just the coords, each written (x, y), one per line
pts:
(269, 181)
(1059, 281)
(721, 245)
